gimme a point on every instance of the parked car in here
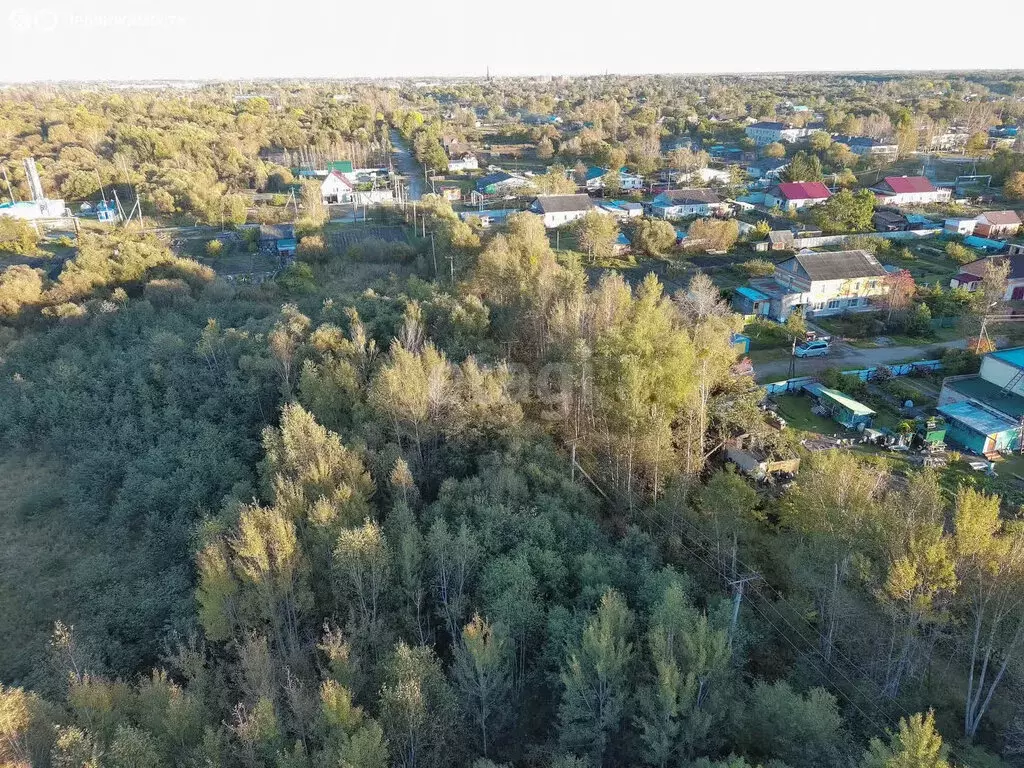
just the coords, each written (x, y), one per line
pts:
(813, 349)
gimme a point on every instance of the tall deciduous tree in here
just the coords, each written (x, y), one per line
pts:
(418, 710)
(990, 567)
(834, 506)
(596, 233)
(597, 682)
(915, 745)
(482, 672)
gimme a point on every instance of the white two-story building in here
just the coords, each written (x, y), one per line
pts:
(767, 132)
(815, 284)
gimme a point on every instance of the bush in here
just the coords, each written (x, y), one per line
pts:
(850, 385)
(312, 248)
(712, 234)
(298, 278)
(960, 253)
(214, 248)
(166, 292)
(956, 362)
(758, 267)
(919, 321)
(378, 251)
(17, 236)
(766, 333)
(20, 286)
(654, 236)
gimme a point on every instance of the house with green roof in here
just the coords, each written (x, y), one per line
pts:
(986, 410)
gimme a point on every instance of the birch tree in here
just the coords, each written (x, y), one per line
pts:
(990, 567)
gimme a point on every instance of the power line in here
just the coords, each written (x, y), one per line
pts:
(812, 646)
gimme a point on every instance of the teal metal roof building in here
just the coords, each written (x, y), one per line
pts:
(842, 408)
(977, 428)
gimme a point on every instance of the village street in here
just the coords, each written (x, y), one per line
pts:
(847, 357)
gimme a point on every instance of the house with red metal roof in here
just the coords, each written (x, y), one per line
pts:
(794, 195)
(997, 224)
(909, 190)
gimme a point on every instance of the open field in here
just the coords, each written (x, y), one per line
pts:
(341, 238)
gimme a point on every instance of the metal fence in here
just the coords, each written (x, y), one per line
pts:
(864, 374)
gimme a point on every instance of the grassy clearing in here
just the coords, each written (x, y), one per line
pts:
(796, 410)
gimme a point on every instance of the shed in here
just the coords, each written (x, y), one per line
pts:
(984, 243)
(980, 429)
(750, 301)
(740, 343)
(842, 408)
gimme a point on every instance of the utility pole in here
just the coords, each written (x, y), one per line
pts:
(792, 360)
(737, 598)
(433, 252)
(10, 192)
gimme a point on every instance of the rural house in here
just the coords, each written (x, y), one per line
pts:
(557, 210)
(595, 179)
(909, 190)
(865, 146)
(336, 188)
(500, 183)
(815, 284)
(766, 132)
(463, 161)
(997, 224)
(983, 411)
(794, 195)
(767, 169)
(971, 275)
(680, 203)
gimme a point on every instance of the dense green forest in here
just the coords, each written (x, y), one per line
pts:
(362, 515)
(262, 526)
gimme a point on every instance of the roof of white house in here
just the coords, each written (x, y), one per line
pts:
(840, 265)
(697, 196)
(563, 203)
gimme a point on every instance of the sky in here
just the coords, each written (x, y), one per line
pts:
(218, 39)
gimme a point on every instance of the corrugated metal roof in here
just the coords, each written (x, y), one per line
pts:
(976, 241)
(801, 190)
(690, 196)
(1001, 217)
(564, 203)
(751, 293)
(840, 265)
(977, 418)
(856, 408)
(909, 184)
(1014, 356)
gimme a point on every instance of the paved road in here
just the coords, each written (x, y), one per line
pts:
(407, 166)
(848, 357)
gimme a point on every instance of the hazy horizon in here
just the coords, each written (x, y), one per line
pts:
(124, 41)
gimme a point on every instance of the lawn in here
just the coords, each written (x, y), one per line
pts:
(929, 264)
(766, 334)
(796, 410)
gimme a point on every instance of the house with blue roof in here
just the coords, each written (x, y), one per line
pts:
(595, 179)
(750, 301)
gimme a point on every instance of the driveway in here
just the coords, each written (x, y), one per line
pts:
(847, 357)
(407, 166)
